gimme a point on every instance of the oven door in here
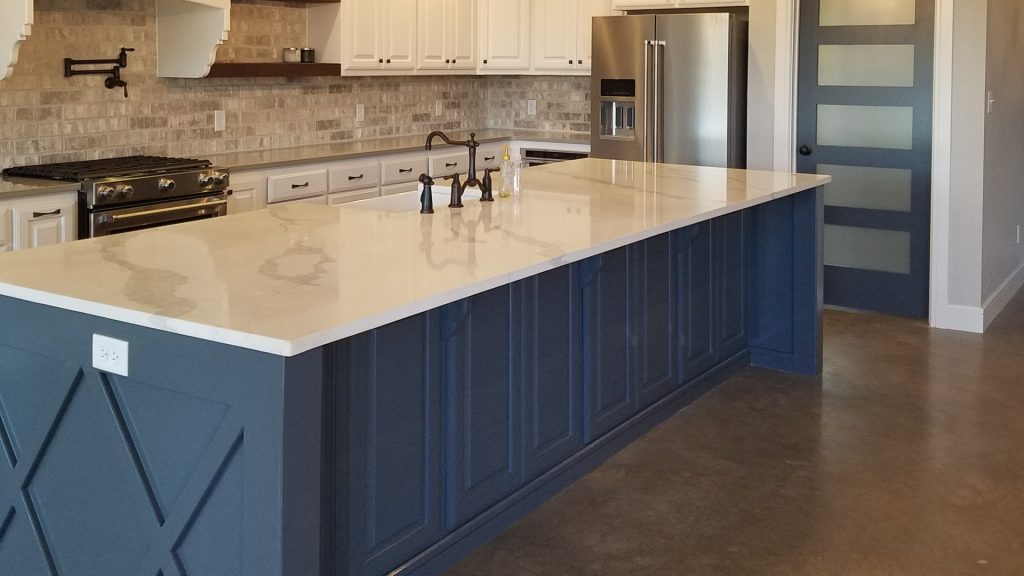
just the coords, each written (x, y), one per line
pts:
(121, 220)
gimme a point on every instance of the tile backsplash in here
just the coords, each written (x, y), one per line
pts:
(45, 117)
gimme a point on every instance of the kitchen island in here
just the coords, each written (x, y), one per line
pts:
(364, 389)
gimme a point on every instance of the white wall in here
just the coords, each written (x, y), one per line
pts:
(770, 93)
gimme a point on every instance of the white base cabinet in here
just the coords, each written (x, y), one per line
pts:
(38, 221)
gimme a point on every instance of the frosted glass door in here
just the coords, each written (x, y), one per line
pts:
(865, 110)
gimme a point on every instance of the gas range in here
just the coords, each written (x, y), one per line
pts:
(128, 193)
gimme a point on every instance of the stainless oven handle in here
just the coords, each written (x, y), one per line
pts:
(647, 95)
(119, 217)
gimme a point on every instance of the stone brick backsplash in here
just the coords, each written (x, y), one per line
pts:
(45, 117)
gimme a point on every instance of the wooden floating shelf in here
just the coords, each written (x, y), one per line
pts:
(271, 70)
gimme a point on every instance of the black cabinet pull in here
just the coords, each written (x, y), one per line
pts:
(360, 177)
(455, 61)
(485, 61)
(44, 214)
(404, 170)
(306, 185)
(489, 158)
(579, 61)
(448, 61)
(389, 60)
(570, 60)
(381, 61)
(450, 164)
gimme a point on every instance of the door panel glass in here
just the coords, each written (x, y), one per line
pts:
(868, 12)
(866, 65)
(866, 126)
(867, 249)
(870, 188)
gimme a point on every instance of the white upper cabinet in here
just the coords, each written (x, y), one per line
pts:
(504, 35)
(15, 26)
(562, 31)
(447, 35)
(379, 35)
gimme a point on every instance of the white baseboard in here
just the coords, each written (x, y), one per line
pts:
(1002, 296)
(962, 318)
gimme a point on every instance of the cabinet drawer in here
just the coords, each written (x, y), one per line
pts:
(489, 157)
(448, 164)
(355, 177)
(406, 169)
(352, 196)
(295, 186)
(321, 200)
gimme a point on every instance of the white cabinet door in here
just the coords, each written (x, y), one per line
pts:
(361, 21)
(505, 35)
(45, 221)
(6, 241)
(242, 199)
(589, 9)
(433, 35)
(399, 34)
(554, 34)
(635, 4)
(462, 34)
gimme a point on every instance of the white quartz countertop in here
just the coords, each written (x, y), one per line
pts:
(291, 278)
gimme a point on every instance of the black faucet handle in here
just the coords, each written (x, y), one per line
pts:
(487, 186)
(456, 201)
(426, 179)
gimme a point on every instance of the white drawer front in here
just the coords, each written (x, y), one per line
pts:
(355, 177)
(488, 157)
(447, 164)
(294, 186)
(352, 196)
(407, 169)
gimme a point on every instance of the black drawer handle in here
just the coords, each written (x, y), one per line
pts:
(360, 177)
(56, 212)
(489, 158)
(450, 164)
(404, 170)
(485, 61)
(306, 185)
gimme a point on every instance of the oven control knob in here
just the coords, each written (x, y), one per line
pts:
(166, 185)
(125, 191)
(220, 179)
(105, 193)
(206, 180)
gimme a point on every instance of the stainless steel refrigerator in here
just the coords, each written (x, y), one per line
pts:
(670, 88)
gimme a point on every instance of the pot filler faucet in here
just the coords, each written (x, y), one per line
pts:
(458, 187)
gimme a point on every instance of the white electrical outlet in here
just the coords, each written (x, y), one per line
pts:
(531, 107)
(219, 121)
(438, 108)
(360, 113)
(110, 355)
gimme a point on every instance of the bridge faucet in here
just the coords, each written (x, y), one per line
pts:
(486, 189)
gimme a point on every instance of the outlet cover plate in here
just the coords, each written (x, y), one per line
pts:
(110, 355)
(360, 113)
(531, 107)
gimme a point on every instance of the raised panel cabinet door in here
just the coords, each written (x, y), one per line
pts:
(551, 370)
(389, 418)
(44, 222)
(362, 45)
(399, 33)
(636, 4)
(462, 36)
(588, 10)
(696, 312)
(6, 241)
(241, 200)
(483, 419)
(609, 394)
(731, 235)
(554, 34)
(657, 289)
(505, 34)
(432, 35)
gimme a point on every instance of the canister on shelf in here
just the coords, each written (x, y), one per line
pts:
(291, 56)
(308, 56)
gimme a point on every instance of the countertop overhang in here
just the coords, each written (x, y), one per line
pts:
(292, 278)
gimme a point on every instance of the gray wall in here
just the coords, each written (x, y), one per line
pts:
(1004, 146)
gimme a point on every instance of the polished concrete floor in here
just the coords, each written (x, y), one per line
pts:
(906, 458)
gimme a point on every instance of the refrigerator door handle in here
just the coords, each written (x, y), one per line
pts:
(659, 153)
(647, 95)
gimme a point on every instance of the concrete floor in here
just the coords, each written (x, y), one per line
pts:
(906, 459)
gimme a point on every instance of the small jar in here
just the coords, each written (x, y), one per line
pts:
(308, 56)
(291, 55)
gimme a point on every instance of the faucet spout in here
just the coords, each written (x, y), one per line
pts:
(442, 136)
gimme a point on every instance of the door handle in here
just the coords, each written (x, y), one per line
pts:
(805, 150)
(296, 186)
(451, 164)
(647, 95)
(404, 170)
(659, 154)
(45, 214)
(360, 177)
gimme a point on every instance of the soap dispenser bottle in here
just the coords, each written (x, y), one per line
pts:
(507, 175)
